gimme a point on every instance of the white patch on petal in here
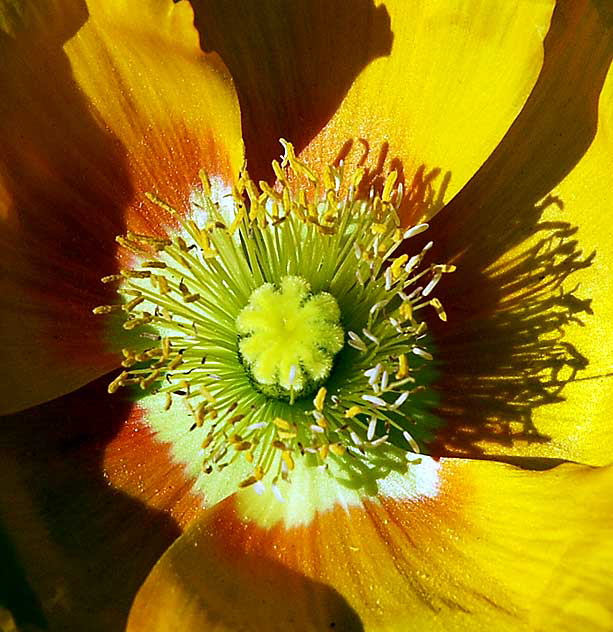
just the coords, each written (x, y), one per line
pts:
(172, 427)
(221, 194)
(421, 480)
(313, 490)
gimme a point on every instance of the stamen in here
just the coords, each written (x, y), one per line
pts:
(376, 401)
(297, 299)
(372, 428)
(320, 398)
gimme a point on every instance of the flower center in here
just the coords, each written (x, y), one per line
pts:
(244, 320)
(288, 337)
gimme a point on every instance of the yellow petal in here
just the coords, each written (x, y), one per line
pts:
(526, 349)
(436, 107)
(100, 104)
(497, 548)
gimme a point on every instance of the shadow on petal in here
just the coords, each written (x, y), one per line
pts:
(207, 582)
(506, 353)
(63, 188)
(80, 548)
(505, 350)
(423, 191)
(276, 54)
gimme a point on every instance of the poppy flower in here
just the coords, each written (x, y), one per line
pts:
(348, 364)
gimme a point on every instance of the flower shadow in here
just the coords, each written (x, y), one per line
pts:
(505, 351)
(275, 56)
(423, 191)
(507, 354)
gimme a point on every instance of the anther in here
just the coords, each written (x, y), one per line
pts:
(375, 401)
(411, 441)
(415, 230)
(112, 278)
(319, 400)
(133, 303)
(107, 309)
(136, 274)
(117, 382)
(403, 367)
(337, 448)
(422, 353)
(372, 428)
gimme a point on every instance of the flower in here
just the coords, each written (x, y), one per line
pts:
(496, 122)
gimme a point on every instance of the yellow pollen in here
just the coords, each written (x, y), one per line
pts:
(403, 367)
(288, 460)
(406, 311)
(338, 449)
(281, 423)
(397, 265)
(352, 411)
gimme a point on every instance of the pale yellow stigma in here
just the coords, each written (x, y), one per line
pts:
(289, 337)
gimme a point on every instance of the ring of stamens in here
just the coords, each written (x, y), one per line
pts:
(189, 295)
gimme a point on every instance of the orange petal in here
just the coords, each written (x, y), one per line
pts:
(498, 548)
(100, 105)
(173, 109)
(140, 463)
(437, 106)
(525, 354)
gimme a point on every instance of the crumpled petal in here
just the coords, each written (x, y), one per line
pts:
(496, 548)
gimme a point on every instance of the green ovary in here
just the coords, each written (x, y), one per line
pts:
(289, 337)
